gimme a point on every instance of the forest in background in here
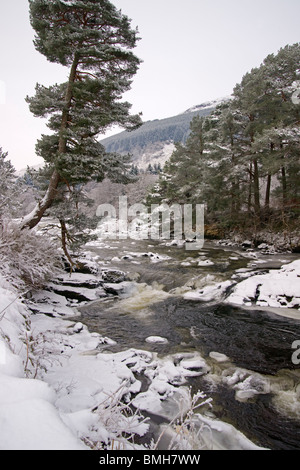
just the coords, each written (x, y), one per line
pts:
(175, 129)
(242, 161)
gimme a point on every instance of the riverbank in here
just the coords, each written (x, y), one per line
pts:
(68, 391)
(61, 389)
(268, 241)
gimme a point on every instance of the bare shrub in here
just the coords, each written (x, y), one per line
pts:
(27, 259)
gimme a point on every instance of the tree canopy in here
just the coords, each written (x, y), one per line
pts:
(243, 160)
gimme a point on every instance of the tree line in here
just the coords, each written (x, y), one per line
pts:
(175, 128)
(243, 160)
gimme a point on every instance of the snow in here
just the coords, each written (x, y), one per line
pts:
(153, 257)
(28, 416)
(218, 357)
(33, 423)
(208, 104)
(246, 383)
(55, 410)
(156, 339)
(62, 389)
(206, 262)
(212, 292)
(164, 397)
(160, 153)
(277, 288)
(218, 435)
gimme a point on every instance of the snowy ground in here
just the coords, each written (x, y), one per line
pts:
(61, 388)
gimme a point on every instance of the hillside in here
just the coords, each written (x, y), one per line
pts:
(154, 141)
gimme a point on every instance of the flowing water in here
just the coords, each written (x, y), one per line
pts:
(256, 341)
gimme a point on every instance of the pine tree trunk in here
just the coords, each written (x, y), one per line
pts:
(268, 190)
(68, 102)
(232, 199)
(256, 189)
(64, 235)
(284, 186)
(32, 219)
(233, 193)
(238, 196)
(250, 189)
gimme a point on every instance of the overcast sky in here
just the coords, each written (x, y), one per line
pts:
(192, 51)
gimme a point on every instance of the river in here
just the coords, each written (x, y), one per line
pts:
(257, 342)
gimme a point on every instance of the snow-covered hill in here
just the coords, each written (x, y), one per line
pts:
(154, 141)
(208, 105)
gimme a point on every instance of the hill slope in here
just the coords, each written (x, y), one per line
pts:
(154, 141)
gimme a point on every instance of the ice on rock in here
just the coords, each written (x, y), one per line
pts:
(194, 366)
(78, 327)
(218, 357)
(205, 262)
(218, 435)
(156, 339)
(278, 288)
(215, 291)
(167, 379)
(246, 384)
(135, 359)
(167, 405)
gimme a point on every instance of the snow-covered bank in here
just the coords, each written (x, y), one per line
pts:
(29, 418)
(57, 391)
(266, 241)
(61, 388)
(277, 288)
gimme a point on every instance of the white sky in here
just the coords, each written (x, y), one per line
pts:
(192, 51)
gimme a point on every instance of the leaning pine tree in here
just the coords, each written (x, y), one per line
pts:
(94, 40)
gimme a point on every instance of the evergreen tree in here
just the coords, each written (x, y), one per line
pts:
(150, 169)
(9, 189)
(264, 99)
(185, 168)
(94, 41)
(245, 144)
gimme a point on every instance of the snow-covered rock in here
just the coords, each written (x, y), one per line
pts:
(218, 357)
(211, 292)
(57, 389)
(156, 339)
(61, 388)
(277, 288)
